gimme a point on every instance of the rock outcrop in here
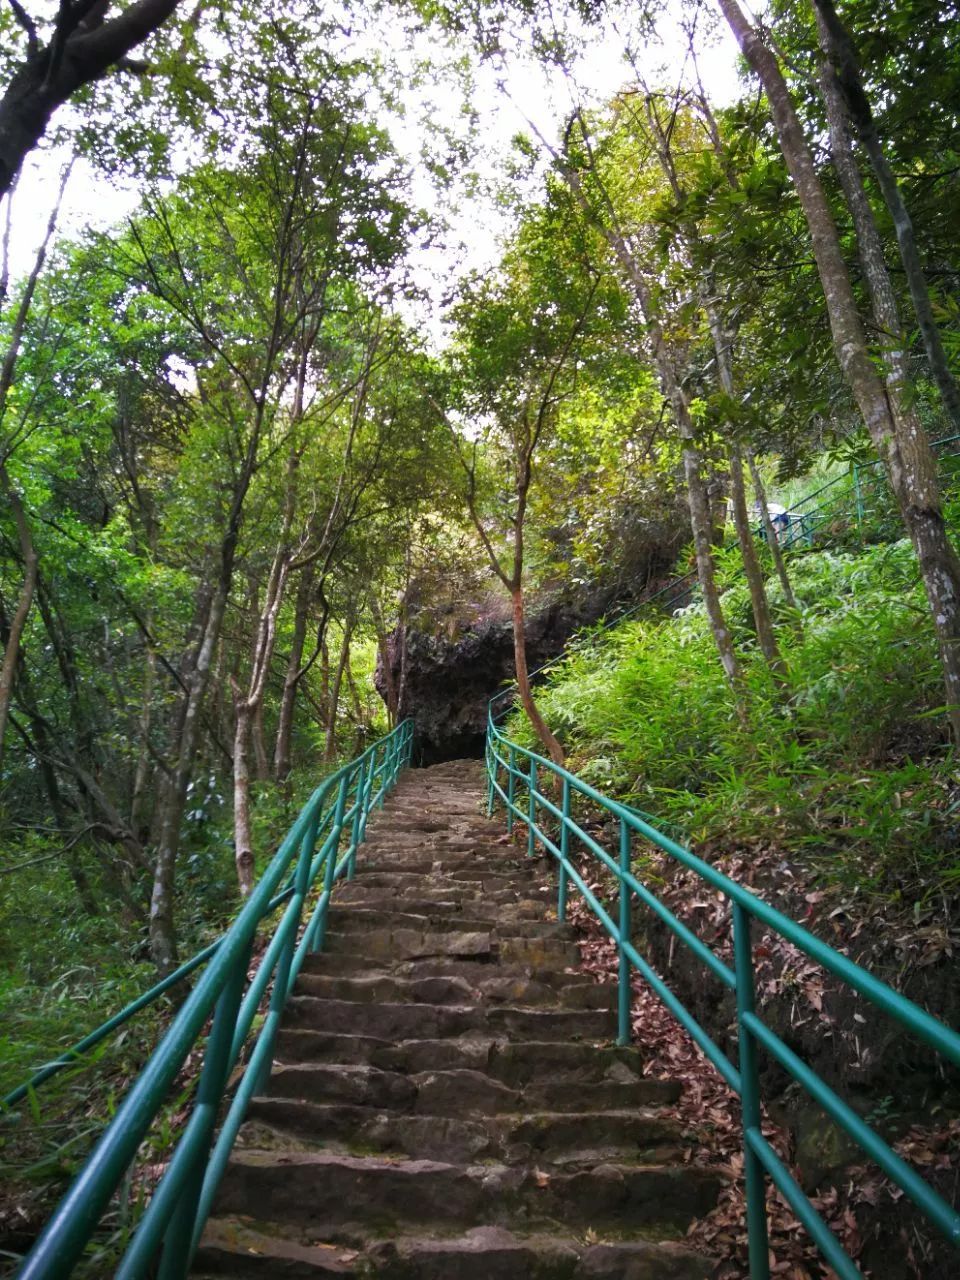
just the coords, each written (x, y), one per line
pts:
(447, 674)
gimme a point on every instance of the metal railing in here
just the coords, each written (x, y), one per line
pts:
(311, 854)
(514, 775)
(861, 500)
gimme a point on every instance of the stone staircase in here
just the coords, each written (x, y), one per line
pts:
(448, 1102)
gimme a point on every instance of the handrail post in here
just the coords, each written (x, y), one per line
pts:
(623, 989)
(758, 1246)
(359, 808)
(388, 768)
(492, 774)
(532, 808)
(374, 780)
(336, 830)
(564, 851)
(301, 887)
(511, 787)
(369, 787)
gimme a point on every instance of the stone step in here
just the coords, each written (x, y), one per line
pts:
(412, 944)
(351, 917)
(448, 863)
(473, 971)
(492, 886)
(242, 1249)
(451, 989)
(434, 1022)
(332, 1193)
(418, 900)
(641, 1135)
(453, 1092)
(434, 829)
(514, 1063)
(434, 818)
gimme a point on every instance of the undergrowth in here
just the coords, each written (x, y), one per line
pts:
(850, 767)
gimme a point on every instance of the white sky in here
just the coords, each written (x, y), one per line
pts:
(532, 93)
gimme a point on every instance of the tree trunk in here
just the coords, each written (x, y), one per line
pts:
(258, 737)
(7, 372)
(246, 709)
(773, 542)
(28, 587)
(163, 944)
(293, 675)
(242, 838)
(909, 459)
(143, 760)
(752, 570)
(701, 519)
(837, 44)
(702, 530)
(383, 653)
(79, 52)
(333, 702)
(741, 519)
(542, 729)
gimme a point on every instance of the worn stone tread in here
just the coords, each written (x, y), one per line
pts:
(245, 1248)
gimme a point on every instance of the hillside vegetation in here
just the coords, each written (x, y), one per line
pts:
(847, 768)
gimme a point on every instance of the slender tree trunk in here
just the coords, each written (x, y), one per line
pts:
(325, 678)
(258, 737)
(702, 529)
(716, 487)
(7, 488)
(292, 676)
(243, 839)
(383, 653)
(701, 522)
(28, 587)
(542, 729)
(163, 944)
(43, 753)
(773, 542)
(837, 44)
(333, 704)
(910, 463)
(355, 700)
(741, 519)
(246, 708)
(143, 760)
(752, 570)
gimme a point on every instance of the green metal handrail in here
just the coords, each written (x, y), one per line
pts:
(173, 1221)
(513, 772)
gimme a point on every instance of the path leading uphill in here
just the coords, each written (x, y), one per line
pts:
(448, 1103)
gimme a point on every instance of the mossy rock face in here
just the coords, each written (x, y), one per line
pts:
(821, 1148)
(452, 666)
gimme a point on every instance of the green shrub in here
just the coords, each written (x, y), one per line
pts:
(851, 768)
